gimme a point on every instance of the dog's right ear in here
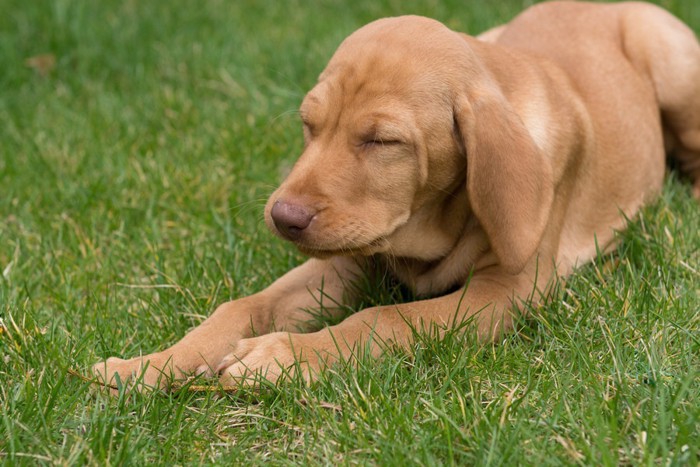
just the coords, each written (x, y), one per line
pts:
(509, 182)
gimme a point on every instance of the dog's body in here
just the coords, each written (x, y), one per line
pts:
(503, 161)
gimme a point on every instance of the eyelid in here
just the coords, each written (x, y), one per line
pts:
(388, 134)
(308, 127)
(378, 141)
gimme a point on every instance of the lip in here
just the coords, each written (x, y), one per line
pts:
(377, 245)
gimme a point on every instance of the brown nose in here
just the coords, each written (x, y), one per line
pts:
(291, 219)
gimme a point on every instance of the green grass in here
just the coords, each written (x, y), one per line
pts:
(132, 180)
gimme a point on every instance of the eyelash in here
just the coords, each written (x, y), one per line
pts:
(368, 143)
(380, 142)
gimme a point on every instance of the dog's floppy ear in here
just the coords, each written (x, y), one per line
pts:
(509, 182)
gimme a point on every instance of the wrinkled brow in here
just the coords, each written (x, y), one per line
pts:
(311, 104)
(383, 125)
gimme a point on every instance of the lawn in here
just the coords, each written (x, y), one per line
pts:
(138, 143)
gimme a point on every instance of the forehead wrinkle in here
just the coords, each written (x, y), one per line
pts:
(314, 108)
(369, 82)
(385, 123)
(323, 106)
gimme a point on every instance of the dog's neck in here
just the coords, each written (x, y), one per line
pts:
(446, 230)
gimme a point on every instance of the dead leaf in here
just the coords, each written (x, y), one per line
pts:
(43, 64)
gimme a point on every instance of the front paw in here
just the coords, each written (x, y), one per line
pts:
(270, 357)
(144, 373)
(155, 371)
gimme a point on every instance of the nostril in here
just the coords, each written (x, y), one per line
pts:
(295, 231)
(291, 219)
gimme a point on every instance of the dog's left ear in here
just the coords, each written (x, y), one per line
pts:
(509, 181)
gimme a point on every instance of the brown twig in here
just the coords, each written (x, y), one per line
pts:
(177, 386)
(96, 381)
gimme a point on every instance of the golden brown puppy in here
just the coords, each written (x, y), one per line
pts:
(442, 157)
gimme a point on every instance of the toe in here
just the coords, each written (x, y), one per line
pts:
(239, 374)
(226, 362)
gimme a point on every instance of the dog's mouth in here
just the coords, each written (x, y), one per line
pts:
(378, 245)
(326, 232)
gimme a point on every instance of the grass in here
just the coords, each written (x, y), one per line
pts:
(135, 156)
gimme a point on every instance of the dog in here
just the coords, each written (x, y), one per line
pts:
(476, 170)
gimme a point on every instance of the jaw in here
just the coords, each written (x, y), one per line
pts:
(325, 237)
(380, 245)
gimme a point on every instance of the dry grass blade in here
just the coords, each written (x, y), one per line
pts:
(174, 387)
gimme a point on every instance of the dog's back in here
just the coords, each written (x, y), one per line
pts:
(637, 69)
(649, 42)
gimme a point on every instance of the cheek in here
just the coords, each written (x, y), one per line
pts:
(393, 185)
(399, 183)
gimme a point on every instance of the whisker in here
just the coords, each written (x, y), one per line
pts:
(286, 113)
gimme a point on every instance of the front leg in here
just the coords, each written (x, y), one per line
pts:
(489, 299)
(286, 305)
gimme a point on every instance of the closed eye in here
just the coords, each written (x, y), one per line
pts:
(379, 142)
(308, 126)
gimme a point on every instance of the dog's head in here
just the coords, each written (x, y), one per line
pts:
(407, 136)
